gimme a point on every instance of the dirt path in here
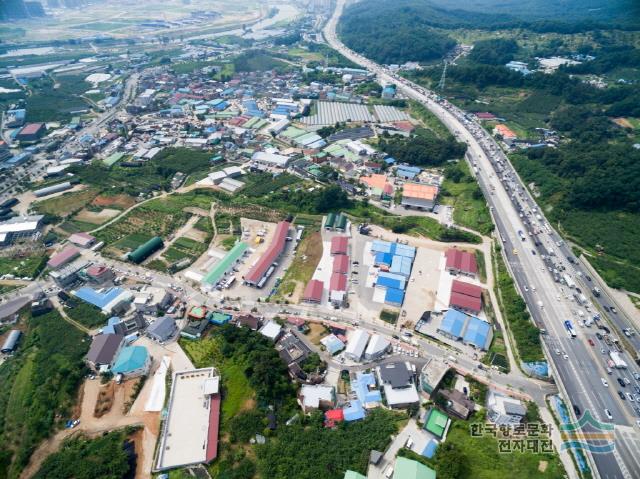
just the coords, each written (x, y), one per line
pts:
(58, 306)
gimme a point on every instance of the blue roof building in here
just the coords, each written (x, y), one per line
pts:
(332, 343)
(107, 300)
(379, 246)
(403, 250)
(390, 160)
(394, 296)
(251, 108)
(111, 322)
(401, 265)
(408, 172)
(453, 324)
(383, 258)
(471, 330)
(478, 333)
(362, 385)
(354, 412)
(390, 280)
(132, 361)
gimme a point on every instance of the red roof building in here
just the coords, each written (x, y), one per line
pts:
(333, 416)
(339, 245)
(313, 291)
(341, 264)
(82, 239)
(461, 262)
(214, 425)
(338, 282)
(466, 297)
(68, 254)
(257, 273)
(485, 115)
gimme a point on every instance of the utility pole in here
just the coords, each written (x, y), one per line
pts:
(443, 78)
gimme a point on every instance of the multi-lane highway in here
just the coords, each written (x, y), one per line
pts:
(578, 367)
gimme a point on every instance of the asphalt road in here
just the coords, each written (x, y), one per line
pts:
(577, 367)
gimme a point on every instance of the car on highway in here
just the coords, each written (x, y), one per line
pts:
(637, 377)
(621, 382)
(598, 335)
(591, 343)
(608, 413)
(604, 382)
(613, 310)
(603, 351)
(621, 394)
(565, 356)
(526, 288)
(626, 380)
(576, 410)
(533, 252)
(558, 352)
(630, 397)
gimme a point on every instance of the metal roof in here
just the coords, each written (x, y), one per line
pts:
(275, 249)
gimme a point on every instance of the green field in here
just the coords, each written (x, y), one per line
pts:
(28, 266)
(86, 314)
(461, 191)
(39, 387)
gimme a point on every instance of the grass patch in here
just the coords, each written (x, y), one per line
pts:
(389, 316)
(67, 204)
(23, 267)
(461, 191)
(86, 314)
(303, 266)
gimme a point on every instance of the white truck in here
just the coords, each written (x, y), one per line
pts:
(617, 360)
(569, 280)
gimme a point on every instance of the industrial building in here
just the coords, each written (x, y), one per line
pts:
(465, 297)
(31, 132)
(469, 329)
(190, 432)
(110, 300)
(377, 347)
(461, 262)
(313, 292)
(20, 227)
(50, 190)
(68, 254)
(82, 239)
(420, 196)
(266, 265)
(339, 245)
(220, 270)
(356, 345)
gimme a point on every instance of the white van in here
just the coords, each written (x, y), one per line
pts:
(388, 472)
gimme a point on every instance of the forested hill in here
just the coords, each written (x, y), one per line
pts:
(404, 30)
(392, 32)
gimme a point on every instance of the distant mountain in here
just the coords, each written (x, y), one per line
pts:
(17, 9)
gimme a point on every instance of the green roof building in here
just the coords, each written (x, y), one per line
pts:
(353, 475)
(113, 159)
(132, 361)
(145, 250)
(219, 318)
(408, 469)
(437, 423)
(225, 264)
(331, 219)
(341, 222)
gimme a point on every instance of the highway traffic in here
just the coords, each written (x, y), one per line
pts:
(537, 257)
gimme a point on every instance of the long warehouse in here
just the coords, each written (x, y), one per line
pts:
(264, 267)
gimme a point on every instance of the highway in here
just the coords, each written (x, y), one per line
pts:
(578, 367)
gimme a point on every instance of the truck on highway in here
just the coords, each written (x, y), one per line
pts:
(617, 360)
(569, 327)
(569, 280)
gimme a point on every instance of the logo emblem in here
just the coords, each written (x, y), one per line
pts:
(588, 434)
